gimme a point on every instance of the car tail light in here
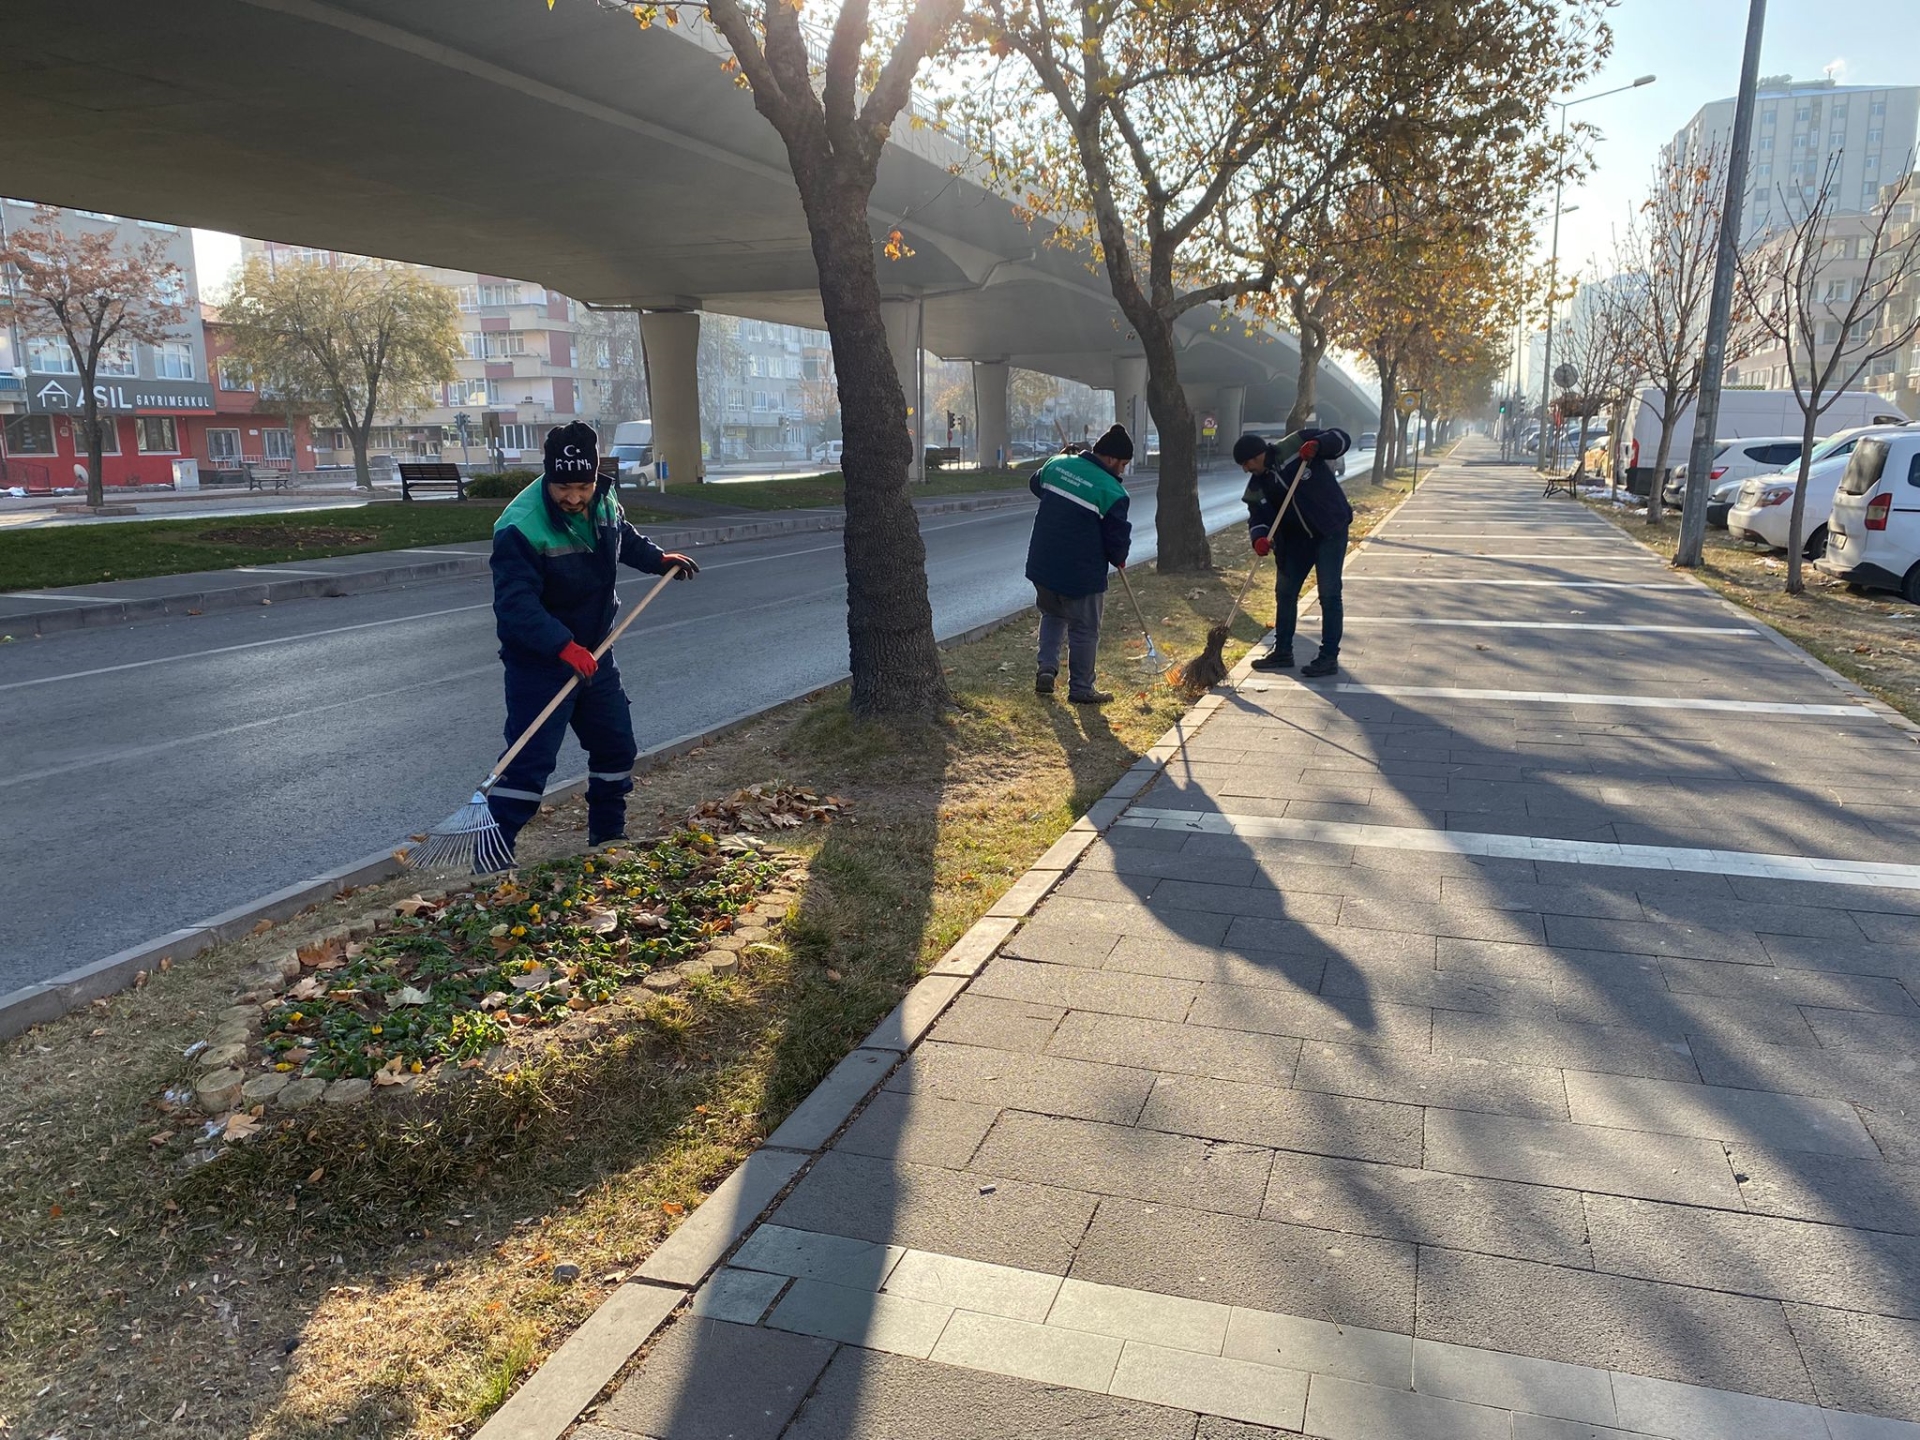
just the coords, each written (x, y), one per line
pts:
(1775, 497)
(1877, 510)
(1716, 472)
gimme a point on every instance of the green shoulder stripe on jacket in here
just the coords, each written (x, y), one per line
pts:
(1083, 481)
(527, 512)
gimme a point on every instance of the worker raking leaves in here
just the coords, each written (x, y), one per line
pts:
(1308, 537)
(557, 549)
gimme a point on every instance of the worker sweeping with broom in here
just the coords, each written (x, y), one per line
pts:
(1079, 530)
(1306, 537)
(556, 552)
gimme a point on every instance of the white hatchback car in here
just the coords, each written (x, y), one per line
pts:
(1735, 460)
(1874, 531)
(1763, 506)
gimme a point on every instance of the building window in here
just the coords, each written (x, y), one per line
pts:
(1766, 142)
(1769, 115)
(109, 435)
(499, 294)
(493, 392)
(475, 343)
(519, 437)
(1802, 113)
(1873, 138)
(117, 360)
(467, 297)
(502, 343)
(223, 448)
(156, 435)
(278, 446)
(173, 360)
(231, 379)
(1879, 109)
(1763, 172)
(50, 357)
(30, 435)
(299, 255)
(159, 225)
(1837, 140)
(1799, 142)
(92, 214)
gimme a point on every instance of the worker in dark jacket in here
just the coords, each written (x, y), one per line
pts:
(1080, 529)
(556, 549)
(1312, 538)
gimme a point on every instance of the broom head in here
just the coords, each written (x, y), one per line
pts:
(467, 842)
(1209, 667)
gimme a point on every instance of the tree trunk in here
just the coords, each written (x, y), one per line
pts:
(1383, 441)
(1580, 460)
(1400, 443)
(1313, 345)
(358, 437)
(90, 418)
(1797, 522)
(1178, 525)
(891, 652)
(1654, 502)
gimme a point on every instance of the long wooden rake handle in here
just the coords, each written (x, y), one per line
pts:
(1272, 530)
(573, 682)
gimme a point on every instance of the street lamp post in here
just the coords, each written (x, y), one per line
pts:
(1553, 263)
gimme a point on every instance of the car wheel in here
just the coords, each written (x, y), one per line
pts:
(1910, 587)
(1816, 544)
(1854, 588)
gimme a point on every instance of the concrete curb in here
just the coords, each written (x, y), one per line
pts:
(48, 1000)
(94, 613)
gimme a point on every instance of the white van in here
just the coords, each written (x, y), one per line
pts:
(1873, 535)
(633, 448)
(1742, 413)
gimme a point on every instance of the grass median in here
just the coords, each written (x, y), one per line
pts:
(1872, 638)
(388, 1270)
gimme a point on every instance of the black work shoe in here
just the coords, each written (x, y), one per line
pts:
(1319, 667)
(1090, 697)
(1275, 660)
(596, 840)
(1043, 684)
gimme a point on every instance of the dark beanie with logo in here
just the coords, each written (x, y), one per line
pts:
(572, 453)
(1116, 444)
(1249, 447)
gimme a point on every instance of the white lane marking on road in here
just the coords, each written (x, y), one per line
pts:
(1422, 556)
(1359, 574)
(1551, 625)
(276, 570)
(1531, 847)
(1637, 702)
(37, 595)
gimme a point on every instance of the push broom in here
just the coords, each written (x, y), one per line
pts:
(469, 840)
(1209, 667)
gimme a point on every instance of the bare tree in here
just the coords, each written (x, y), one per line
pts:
(1671, 246)
(1597, 341)
(1831, 326)
(88, 293)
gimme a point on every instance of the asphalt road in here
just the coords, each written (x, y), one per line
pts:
(158, 773)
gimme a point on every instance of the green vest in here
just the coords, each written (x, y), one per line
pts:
(1083, 481)
(548, 532)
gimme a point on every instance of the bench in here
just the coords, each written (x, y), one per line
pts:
(939, 455)
(260, 477)
(1564, 484)
(433, 475)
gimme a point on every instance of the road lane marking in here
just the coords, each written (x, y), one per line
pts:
(1358, 574)
(1644, 702)
(1552, 625)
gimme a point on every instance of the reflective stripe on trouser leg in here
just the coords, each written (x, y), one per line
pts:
(603, 722)
(516, 799)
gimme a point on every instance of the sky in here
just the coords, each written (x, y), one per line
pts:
(1694, 48)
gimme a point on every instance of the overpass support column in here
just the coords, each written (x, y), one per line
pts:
(990, 411)
(904, 319)
(671, 339)
(1232, 415)
(1130, 399)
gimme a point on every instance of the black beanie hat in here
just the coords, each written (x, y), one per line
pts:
(1116, 444)
(572, 453)
(1248, 447)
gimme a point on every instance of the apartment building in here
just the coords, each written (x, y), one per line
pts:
(768, 390)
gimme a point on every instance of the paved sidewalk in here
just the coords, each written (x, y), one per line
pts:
(1515, 1037)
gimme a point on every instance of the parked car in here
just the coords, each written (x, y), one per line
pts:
(828, 452)
(1369, 440)
(1874, 530)
(1735, 460)
(632, 450)
(1762, 508)
(1744, 414)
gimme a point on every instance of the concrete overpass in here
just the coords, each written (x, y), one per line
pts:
(570, 147)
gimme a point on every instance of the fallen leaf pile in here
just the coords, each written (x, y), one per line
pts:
(763, 807)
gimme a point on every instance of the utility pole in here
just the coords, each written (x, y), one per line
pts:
(1706, 409)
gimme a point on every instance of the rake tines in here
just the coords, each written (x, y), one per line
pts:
(468, 842)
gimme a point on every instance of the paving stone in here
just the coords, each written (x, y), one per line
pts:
(1119, 1160)
(1033, 1352)
(826, 1108)
(1609, 968)
(1257, 1264)
(1258, 938)
(1415, 1077)
(1855, 1030)
(1126, 887)
(1542, 1427)
(1060, 944)
(1663, 1407)
(1757, 1255)
(1521, 1040)
(1716, 1112)
(1179, 1049)
(1319, 1347)
(1893, 962)
(1796, 987)
(1649, 938)
(861, 1317)
(1294, 902)
(1830, 1189)
(921, 1128)
(1018, 1025)
(1033, 1226)
(1079, 1088)
(1076, 988)
(1895, 1128)
(1351, 1019)
(866, 1395)
(1429, 1207)
(1586, 1318)
(973, 1285)
(1350, 1410)
(1104, 917)
(1858, 1075)
(1860, 1362)
(689, 1386)
(1515, 893)
(1284, 1119)
(1184, 960)
(1466, 922)
(699, 1241)
(1161, 1320)
(1512, 1382)
(783, 1250)
(1237, 1389)
(1581, 1157)
(1130, 860)
(739, 1296)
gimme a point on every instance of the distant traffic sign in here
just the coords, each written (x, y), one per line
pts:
(1409, 401)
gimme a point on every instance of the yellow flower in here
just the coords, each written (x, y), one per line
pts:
(295, 1018)
(518, 931)
(416, 1067)
(377, 1030)
(589, 867)
(528, 965)
(283, 1067)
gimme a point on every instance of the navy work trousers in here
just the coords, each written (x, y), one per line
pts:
(598, 712)
(1076, 620)
(1301, 555)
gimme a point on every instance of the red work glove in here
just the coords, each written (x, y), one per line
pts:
(1119, 564)
(683, 563)
(580, 658)
(1262, 545)
(1309, 449)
